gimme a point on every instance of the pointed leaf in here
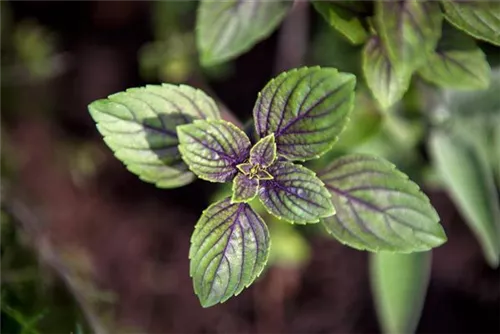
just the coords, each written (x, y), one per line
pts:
(457, 63)
(306, 109)
(229, 249)
(399, 284)
(213, 149)
(295, 194)
(139, 125)
(264, 152)
(244, 188)
(387, 83)
(480, 19)
(264, 175)
(409, 30)
(378, 207)
(344, 19)
(245, 168)
(226, 29)
(470, 182)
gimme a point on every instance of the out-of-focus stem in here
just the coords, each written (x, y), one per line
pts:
(293, 38)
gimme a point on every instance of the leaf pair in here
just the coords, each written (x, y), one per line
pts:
(298, 116)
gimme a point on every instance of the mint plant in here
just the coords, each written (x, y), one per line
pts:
(169, 135)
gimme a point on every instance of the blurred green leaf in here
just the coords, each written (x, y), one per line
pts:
(169, 17)
(409, 31)
(226, 29)
(171, 60)
(496, 157)
(387, 82)
(342, 18)
(470, 181)
(330, 49)
(399, 284)
(34, 45)
(365, 121)
(361, 8)
(480, 19)
(471, 103)
(457, 63)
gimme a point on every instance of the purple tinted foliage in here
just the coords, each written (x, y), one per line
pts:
(305, 109)
(213, 149)
(264, 152)
(295, 194)
(229, 249)
(244, 188)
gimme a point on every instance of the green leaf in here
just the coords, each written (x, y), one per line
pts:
(399, 284)
(378, 207)
(343, 19)
(139, 125)
(306, 109)
(245, 168)
(264, 152)
(409, 30)
(365, 122)
(212, 149)
(496, 157)
(356, 6)
(484, 103)
(244, 188)
(457, 63)
(387, 83)
(229, 249)
(470, 182)
(226, 29)
(480, 19)
(264, 175)
(295, 194)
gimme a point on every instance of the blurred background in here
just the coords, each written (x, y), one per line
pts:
(88, 247)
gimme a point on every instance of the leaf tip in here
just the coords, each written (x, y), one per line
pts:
(206, 303)
(330, 211)
(441, 237)
(96, 106)
(207, 59)
(182, 129)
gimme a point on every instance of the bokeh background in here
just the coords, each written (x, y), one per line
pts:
(87, 246)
